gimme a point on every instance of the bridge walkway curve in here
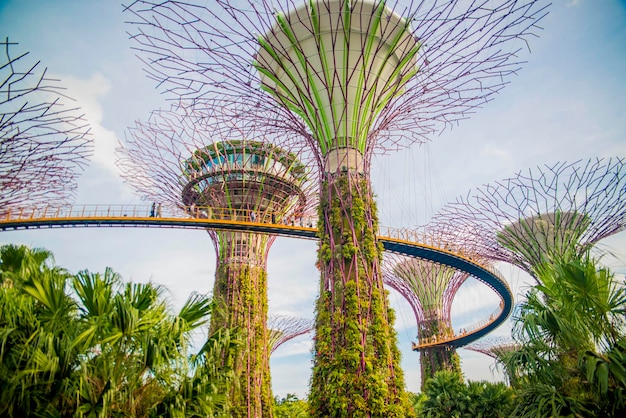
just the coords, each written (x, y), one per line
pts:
(394, 240)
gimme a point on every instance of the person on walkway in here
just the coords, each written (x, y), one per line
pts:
(152, 209)
(158, 211)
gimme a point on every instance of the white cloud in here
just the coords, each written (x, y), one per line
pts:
(89, 94)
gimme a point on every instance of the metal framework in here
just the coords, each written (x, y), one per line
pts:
(180, 158)
(493, 347)
(346, 77)
(174, 160)
(44, 142)
(460, 53)
(543, 212)
(496, 348)
(399, 241)
(283, 328)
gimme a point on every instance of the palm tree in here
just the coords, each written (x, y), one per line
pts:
(37, 356)
(444, 396)
(91, 345)
(570, 324)
(139, 351)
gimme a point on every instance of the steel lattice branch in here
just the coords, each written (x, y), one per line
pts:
(467, 51)
(542, 212)
(282, 328)
(44, 143)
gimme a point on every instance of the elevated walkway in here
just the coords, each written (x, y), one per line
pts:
(395, 240)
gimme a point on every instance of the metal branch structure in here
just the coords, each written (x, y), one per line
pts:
(171, 159)
(345, 77)
(465, 53)
(494, 347)
(497, 348)
(44, 143)
(283, 328)
(543, 213)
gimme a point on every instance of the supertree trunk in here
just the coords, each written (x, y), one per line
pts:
(434, 359)
(241, 297)
(356, 369)
(430, 289)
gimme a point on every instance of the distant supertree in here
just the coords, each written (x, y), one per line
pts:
(283, 328)
(173, 160)
(430, 289)
(349, 77)
(497, 348)
(494, 347)
(547, 212)
(43, 143)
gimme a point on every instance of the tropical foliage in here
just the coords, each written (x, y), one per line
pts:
(447, 395)
(572, 360)
(91, 345)
(290, 407)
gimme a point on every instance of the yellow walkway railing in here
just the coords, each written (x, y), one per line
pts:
(401, 241)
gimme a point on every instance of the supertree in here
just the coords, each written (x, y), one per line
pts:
(43, 142)
(348, 77)
(540, 214)
(283, 328)
(173, 160)
(496, 348)
(430, 289)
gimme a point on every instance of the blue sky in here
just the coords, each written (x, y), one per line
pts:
(566, 103)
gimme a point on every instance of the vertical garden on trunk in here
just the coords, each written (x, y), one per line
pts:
(356, 371)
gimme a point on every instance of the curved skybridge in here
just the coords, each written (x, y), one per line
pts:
(400, 241)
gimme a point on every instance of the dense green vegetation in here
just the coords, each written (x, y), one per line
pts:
(90, 345)
(572, 360)
(572, 356)
(356, 371)
(291, 407)
(447, 395)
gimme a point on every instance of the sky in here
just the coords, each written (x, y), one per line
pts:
(566, 103)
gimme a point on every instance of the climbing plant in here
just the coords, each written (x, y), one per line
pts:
(356, 369)
(241, 295)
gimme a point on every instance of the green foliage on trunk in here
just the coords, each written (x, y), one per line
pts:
(435, 359)
(241, 294)
(356, 369)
